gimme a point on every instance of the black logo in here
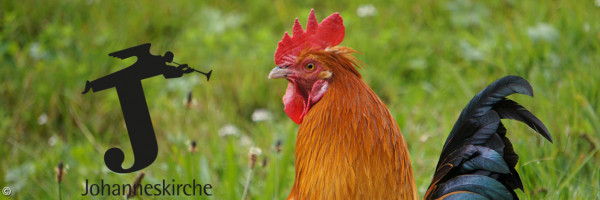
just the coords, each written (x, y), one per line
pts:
(133, 102)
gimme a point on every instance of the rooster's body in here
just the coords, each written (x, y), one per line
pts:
(350, 147)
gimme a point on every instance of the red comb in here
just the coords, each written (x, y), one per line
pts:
(328, 33)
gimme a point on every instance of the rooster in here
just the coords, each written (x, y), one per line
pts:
(350, 147)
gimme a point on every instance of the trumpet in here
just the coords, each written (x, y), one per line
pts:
(186, 69)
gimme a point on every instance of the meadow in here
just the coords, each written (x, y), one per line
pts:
(425, 60)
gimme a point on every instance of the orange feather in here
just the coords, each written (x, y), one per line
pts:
(349, 146)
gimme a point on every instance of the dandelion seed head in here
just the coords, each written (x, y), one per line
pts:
(469, 52)
(35, 51)
(246, 141)
(424, 138)
(543, 31)
(52, 140)
(229, 130)
(42, 119)
(253, 154)
(366, 10)
(261, 115)
(255, 150)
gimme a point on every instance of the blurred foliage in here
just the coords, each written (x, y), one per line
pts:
(425, 59)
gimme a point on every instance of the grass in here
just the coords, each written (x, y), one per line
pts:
(425, 59)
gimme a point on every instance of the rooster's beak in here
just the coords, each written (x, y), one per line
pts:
(279, 72)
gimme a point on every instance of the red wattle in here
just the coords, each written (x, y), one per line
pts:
(294, 104)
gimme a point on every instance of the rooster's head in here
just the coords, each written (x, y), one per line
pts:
(309, 60)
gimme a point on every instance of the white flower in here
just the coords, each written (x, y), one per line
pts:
(469, 52)
(255, 151)
(424, 138)
(52, 140)
(229, 130)
(42, 119)
(246, 141)
(35, 51)
(366, 10)
(598, 3)
(261, 115)
(417, 63)
(83, 184)
(542, 31)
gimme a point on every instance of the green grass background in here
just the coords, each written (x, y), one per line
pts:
(425, 59)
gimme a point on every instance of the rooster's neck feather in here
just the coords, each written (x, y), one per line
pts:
(349, 146)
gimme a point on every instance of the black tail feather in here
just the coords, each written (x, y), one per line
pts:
(478, 160)
(508, 109)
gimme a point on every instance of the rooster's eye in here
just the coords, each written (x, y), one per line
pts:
(310, 66)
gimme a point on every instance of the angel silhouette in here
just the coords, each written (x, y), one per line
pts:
(146, 66)
(128, 83)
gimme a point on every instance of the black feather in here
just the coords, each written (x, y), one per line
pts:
(482, 185)
(508, 109)
(465, 195)
(478, 160)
